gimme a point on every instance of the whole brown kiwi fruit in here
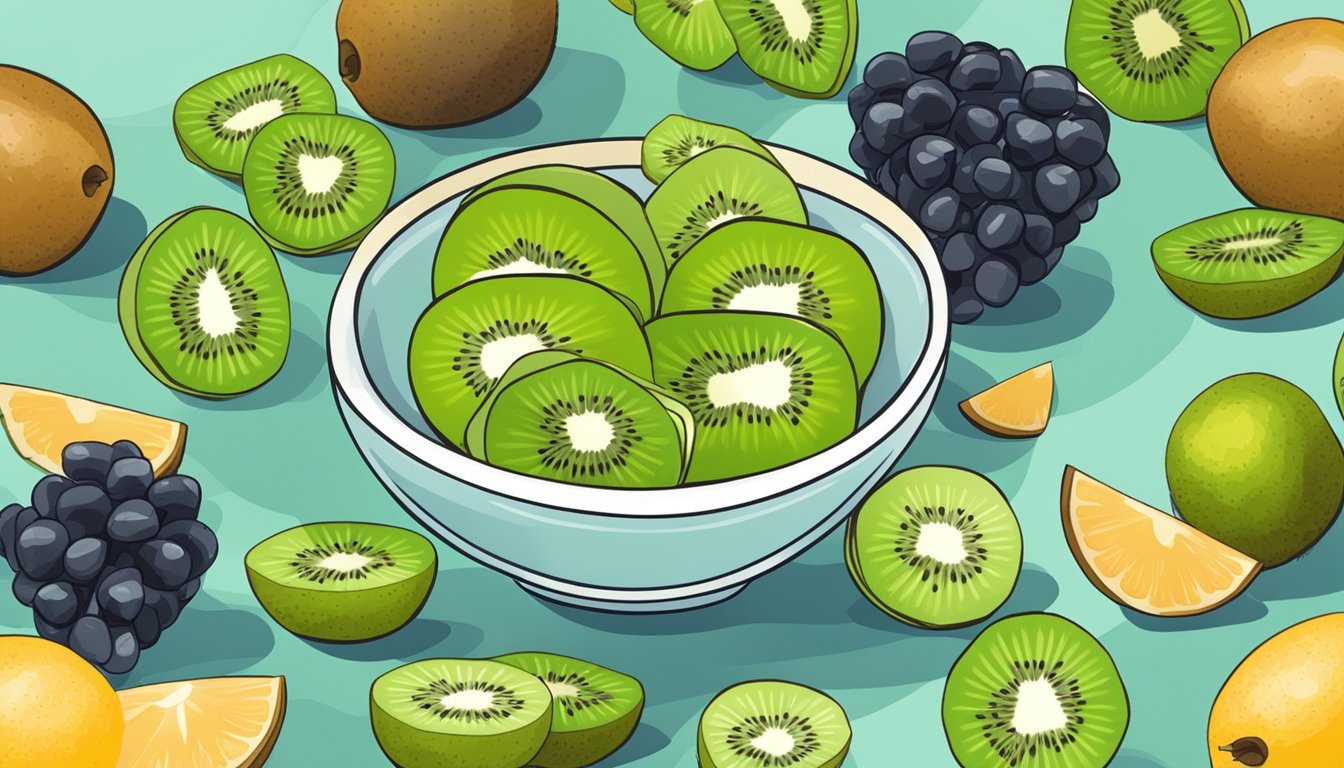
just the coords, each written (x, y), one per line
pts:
(56, 170)
(1276, 117)
(440, 63)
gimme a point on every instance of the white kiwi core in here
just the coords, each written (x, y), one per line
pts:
(1154, 34)
(1037, 709)
(775, 741)
(780, 299)
(589, 432)
(214, 307)
(319, 173)
(255, 116)
(764, 385)
(498, 355)
(942, 542)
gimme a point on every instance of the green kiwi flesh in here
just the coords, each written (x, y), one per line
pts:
(342, 582)
(527, 230)
(203, 305)
(760, 265)
(773, 724)
(1153, 60)
(1249, 262)
(460, 713)
(595, 712)
(714, 188)
(936, 547)
(675, 139)
(625, 6)
(764, 390)
(469, 337)
(1035, 691)
(691, 32)
(801, 47)
(215, 119)
(317, 184)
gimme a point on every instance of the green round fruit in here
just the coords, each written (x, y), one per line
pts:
(1253, 463)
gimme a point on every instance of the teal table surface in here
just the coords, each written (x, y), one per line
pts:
(1128, 358)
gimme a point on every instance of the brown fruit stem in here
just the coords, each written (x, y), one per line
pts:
(349, 61)
(1247, 750)
(93, 179)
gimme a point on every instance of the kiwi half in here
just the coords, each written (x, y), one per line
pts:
(759, 265)
(317, 183)
(1250, 262)
(469, 337)
(801, 47)
(203, 305)
(595, 711)
(714, 188)
(773, 724)
(691, 32)
(1035, 691)
(343, 582)
(460, 713)
(215, 119)
(764, 390)
(676, 139)
(1153, 60)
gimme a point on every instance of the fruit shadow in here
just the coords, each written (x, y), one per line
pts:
(1035, 591)
(315, 733)
(326, 264)
(447, 638)
(95, 269)
(210, 639)
(1319, 571)
(1129, 758)
(645, 741)
(1242, 610)
(744, 102)
(1319, 310)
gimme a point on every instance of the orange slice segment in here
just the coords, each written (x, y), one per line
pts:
(221, 722)
(41, 423)
(1017, 407)
(1148, 560)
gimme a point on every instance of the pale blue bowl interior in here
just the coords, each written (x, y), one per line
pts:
(396, 290)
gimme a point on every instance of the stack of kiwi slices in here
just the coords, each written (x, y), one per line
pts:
(772, 724)
(583, 335)
(521, 709)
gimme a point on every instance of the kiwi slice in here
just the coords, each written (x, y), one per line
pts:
(676, 139)
(764, 390)
(1250, 262)
(773, 724)
(935, 547)
(714, 188)
(525, 230)
(801, 47)
(1035, 691)
(467, 339)
(759, 265)
(625, 6)
(460, 713)
(216, 118)
(691, 32)
(1153, 60)
(203, 305)
(558, 416)
(595, 711)
(343, 582)
(317, 183)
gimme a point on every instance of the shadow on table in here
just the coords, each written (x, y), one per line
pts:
(209, 639)
(447, 638)
(1036, 591)
(95, 269)
(307, 734)
(1132, 758)
(645, 741)
(1321, 309)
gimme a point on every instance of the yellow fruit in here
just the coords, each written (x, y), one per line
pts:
(56, 710)
(42, 423)
(1146, 559)
(1283, 706)
(1018, 407)
(221, 722)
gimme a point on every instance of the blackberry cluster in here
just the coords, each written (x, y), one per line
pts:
(107, 557)
(999, 164)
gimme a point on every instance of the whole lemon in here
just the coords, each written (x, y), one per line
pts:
(56, 710)
(1283, 706)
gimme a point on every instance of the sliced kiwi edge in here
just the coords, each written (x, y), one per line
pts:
(649, 13)
(656, 141)
(851, 23)
(703, 748)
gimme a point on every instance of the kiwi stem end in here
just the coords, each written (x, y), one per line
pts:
(93, 178)
(1248, 750)
(349, 61)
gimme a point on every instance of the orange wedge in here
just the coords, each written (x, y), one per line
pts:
(1148, 560)
(221, 722)
(1018, 407)
(42, 423)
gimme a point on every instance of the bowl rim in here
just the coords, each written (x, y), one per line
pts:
(354, 384)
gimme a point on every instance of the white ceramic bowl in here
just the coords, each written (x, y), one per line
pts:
(629, 550)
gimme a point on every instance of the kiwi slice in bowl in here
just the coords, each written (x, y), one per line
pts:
(1035, 691)
(760, 265)
(526, 230)
(691, 32)
(1154, 60)
(316, 184)
(773, 724)
(460, 713)
(936, 547)
(802, 47)
(595, 709)
(675, 139)
(343, 582)
(764, 390)
(714, 188)
(469, 337)
(1249, 262)
(215, 119)
(203, 305)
